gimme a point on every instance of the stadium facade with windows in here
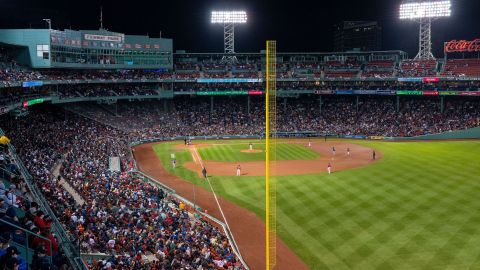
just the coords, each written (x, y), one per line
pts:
(116, 89)
(97, 49)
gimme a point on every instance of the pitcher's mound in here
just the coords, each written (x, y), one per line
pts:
(251, 151)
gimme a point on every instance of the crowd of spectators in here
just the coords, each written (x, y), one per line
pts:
(24, 224)
(418, 68)
(373, 116)
(11, 72)
(140, 225)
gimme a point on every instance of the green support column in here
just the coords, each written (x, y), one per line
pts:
(285, 104)
(442, 104)
(248, 104)
(165, 107)
(398, 103)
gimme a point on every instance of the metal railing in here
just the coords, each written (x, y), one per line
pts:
(69, 246)
(25, 246)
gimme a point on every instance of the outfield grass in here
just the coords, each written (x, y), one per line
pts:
(417, 208)
(232, 152)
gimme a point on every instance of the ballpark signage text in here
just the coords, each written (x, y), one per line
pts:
(103, 38)
(463, 46)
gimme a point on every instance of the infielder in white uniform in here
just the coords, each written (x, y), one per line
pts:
(239, 170)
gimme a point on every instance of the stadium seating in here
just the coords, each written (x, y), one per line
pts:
(462, 67)
(379, 69)
(340, 74)
(418, 68)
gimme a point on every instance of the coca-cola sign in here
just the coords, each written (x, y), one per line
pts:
(462, 46)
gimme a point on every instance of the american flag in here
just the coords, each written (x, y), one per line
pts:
(128, 46)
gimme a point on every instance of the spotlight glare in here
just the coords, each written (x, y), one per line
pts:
(236, 17)
(429, 9)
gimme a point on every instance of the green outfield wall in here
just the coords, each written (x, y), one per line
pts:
(472, 133)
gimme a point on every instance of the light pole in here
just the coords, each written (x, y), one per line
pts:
(424, 12)
(229, 19)
(49, 22)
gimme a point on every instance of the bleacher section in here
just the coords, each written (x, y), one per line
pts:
(462, 67)
(418, 68)
(379, 68)
(340, 74)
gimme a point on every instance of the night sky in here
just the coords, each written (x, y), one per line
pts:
(298, 26)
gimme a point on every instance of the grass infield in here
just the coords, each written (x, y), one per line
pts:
(417, 208)
(232, 152)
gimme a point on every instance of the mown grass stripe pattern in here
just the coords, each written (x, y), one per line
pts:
(232, 152)
(417, 208)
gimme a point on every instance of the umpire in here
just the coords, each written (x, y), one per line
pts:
(204, 172)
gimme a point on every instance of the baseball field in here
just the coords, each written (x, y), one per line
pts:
(415, 207)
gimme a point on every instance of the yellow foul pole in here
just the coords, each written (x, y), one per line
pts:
(270, 155)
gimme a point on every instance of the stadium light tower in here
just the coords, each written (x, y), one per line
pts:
(229, 19)
(425, 12)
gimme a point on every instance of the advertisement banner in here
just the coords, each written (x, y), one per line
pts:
(409, 92)
(323, 92)
(344, 92)
(228, 80)
(32, 84)
(376, 137)
(431, 80)
(255, 93)
(365, 92)
(386, 92)
(410, 79)
(32, 102)
(430, 93)
(448, 93)
(354, 137)
(221, 93)
(469, 93)
(462, 46)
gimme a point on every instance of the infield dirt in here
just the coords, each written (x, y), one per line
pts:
(359, 156)
(247, 228)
